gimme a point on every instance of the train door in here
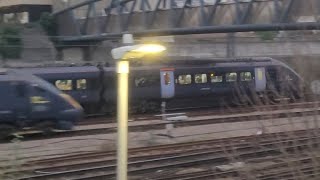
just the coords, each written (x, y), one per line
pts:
(260, 79)
(16, 94)
(246, 83)
(23, 104)
(167, 83)
(272, 79)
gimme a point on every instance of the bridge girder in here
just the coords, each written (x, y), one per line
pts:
(173, 17)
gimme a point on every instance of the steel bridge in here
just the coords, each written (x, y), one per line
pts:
(85, 22)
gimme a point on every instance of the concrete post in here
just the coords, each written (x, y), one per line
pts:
(122, 120)
(230, 45)
(1, 18)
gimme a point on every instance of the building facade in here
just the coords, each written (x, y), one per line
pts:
(23, 11)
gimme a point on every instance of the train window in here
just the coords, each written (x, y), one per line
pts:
(288, 77)
(140, 82)
(231, 77)
(166, 78)
(38, 100)
(39, 95)
(271, 75)
(215, 78)
(81, 84)
(144, 81)
(64, 85)
(245, 76)
(184, 79)
(260, 74)
(200, 78)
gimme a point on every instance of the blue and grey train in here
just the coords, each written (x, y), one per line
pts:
(191, 82)
(29, 101)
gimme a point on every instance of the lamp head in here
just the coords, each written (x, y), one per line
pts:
(136, 51)
(149, 48)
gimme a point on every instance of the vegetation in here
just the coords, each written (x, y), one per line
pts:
(10, 41)
(49, 24)
(267, 35)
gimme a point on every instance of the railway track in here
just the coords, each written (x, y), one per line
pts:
(160, 149)
(201, 111)
(308, 109)
(276, 169)
(144, 162)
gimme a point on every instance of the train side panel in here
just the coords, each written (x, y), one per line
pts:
(14, 104)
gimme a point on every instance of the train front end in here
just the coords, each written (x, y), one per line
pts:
(61, 109)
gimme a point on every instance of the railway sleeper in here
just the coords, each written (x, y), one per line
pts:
(138, 167)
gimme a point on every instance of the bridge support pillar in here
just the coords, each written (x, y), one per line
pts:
(87, 53)
(230, 45)
(1, 18)
(74, 54)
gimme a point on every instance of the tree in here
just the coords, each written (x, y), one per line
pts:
(10, 42)
(48, 23)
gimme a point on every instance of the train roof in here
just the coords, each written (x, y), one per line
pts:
(11, 75)
(85, 69)
(206, 62)
(48, 72)
(221, 61)
(17, 75)
(181, 62)
(148, 60)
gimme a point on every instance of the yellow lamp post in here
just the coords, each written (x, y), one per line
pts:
(123, 55)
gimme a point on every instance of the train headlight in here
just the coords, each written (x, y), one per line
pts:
(69, 99)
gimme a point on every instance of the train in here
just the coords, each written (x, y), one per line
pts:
(179, 83)
(29, 101)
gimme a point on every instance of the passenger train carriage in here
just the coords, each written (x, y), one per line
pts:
(186, 82)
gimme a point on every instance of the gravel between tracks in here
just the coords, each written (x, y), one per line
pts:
(59, 147)
(40, 149)
(147, 125)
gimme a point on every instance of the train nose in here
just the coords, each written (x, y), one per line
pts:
(68, 118)
(73, 102)
(80, 114)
